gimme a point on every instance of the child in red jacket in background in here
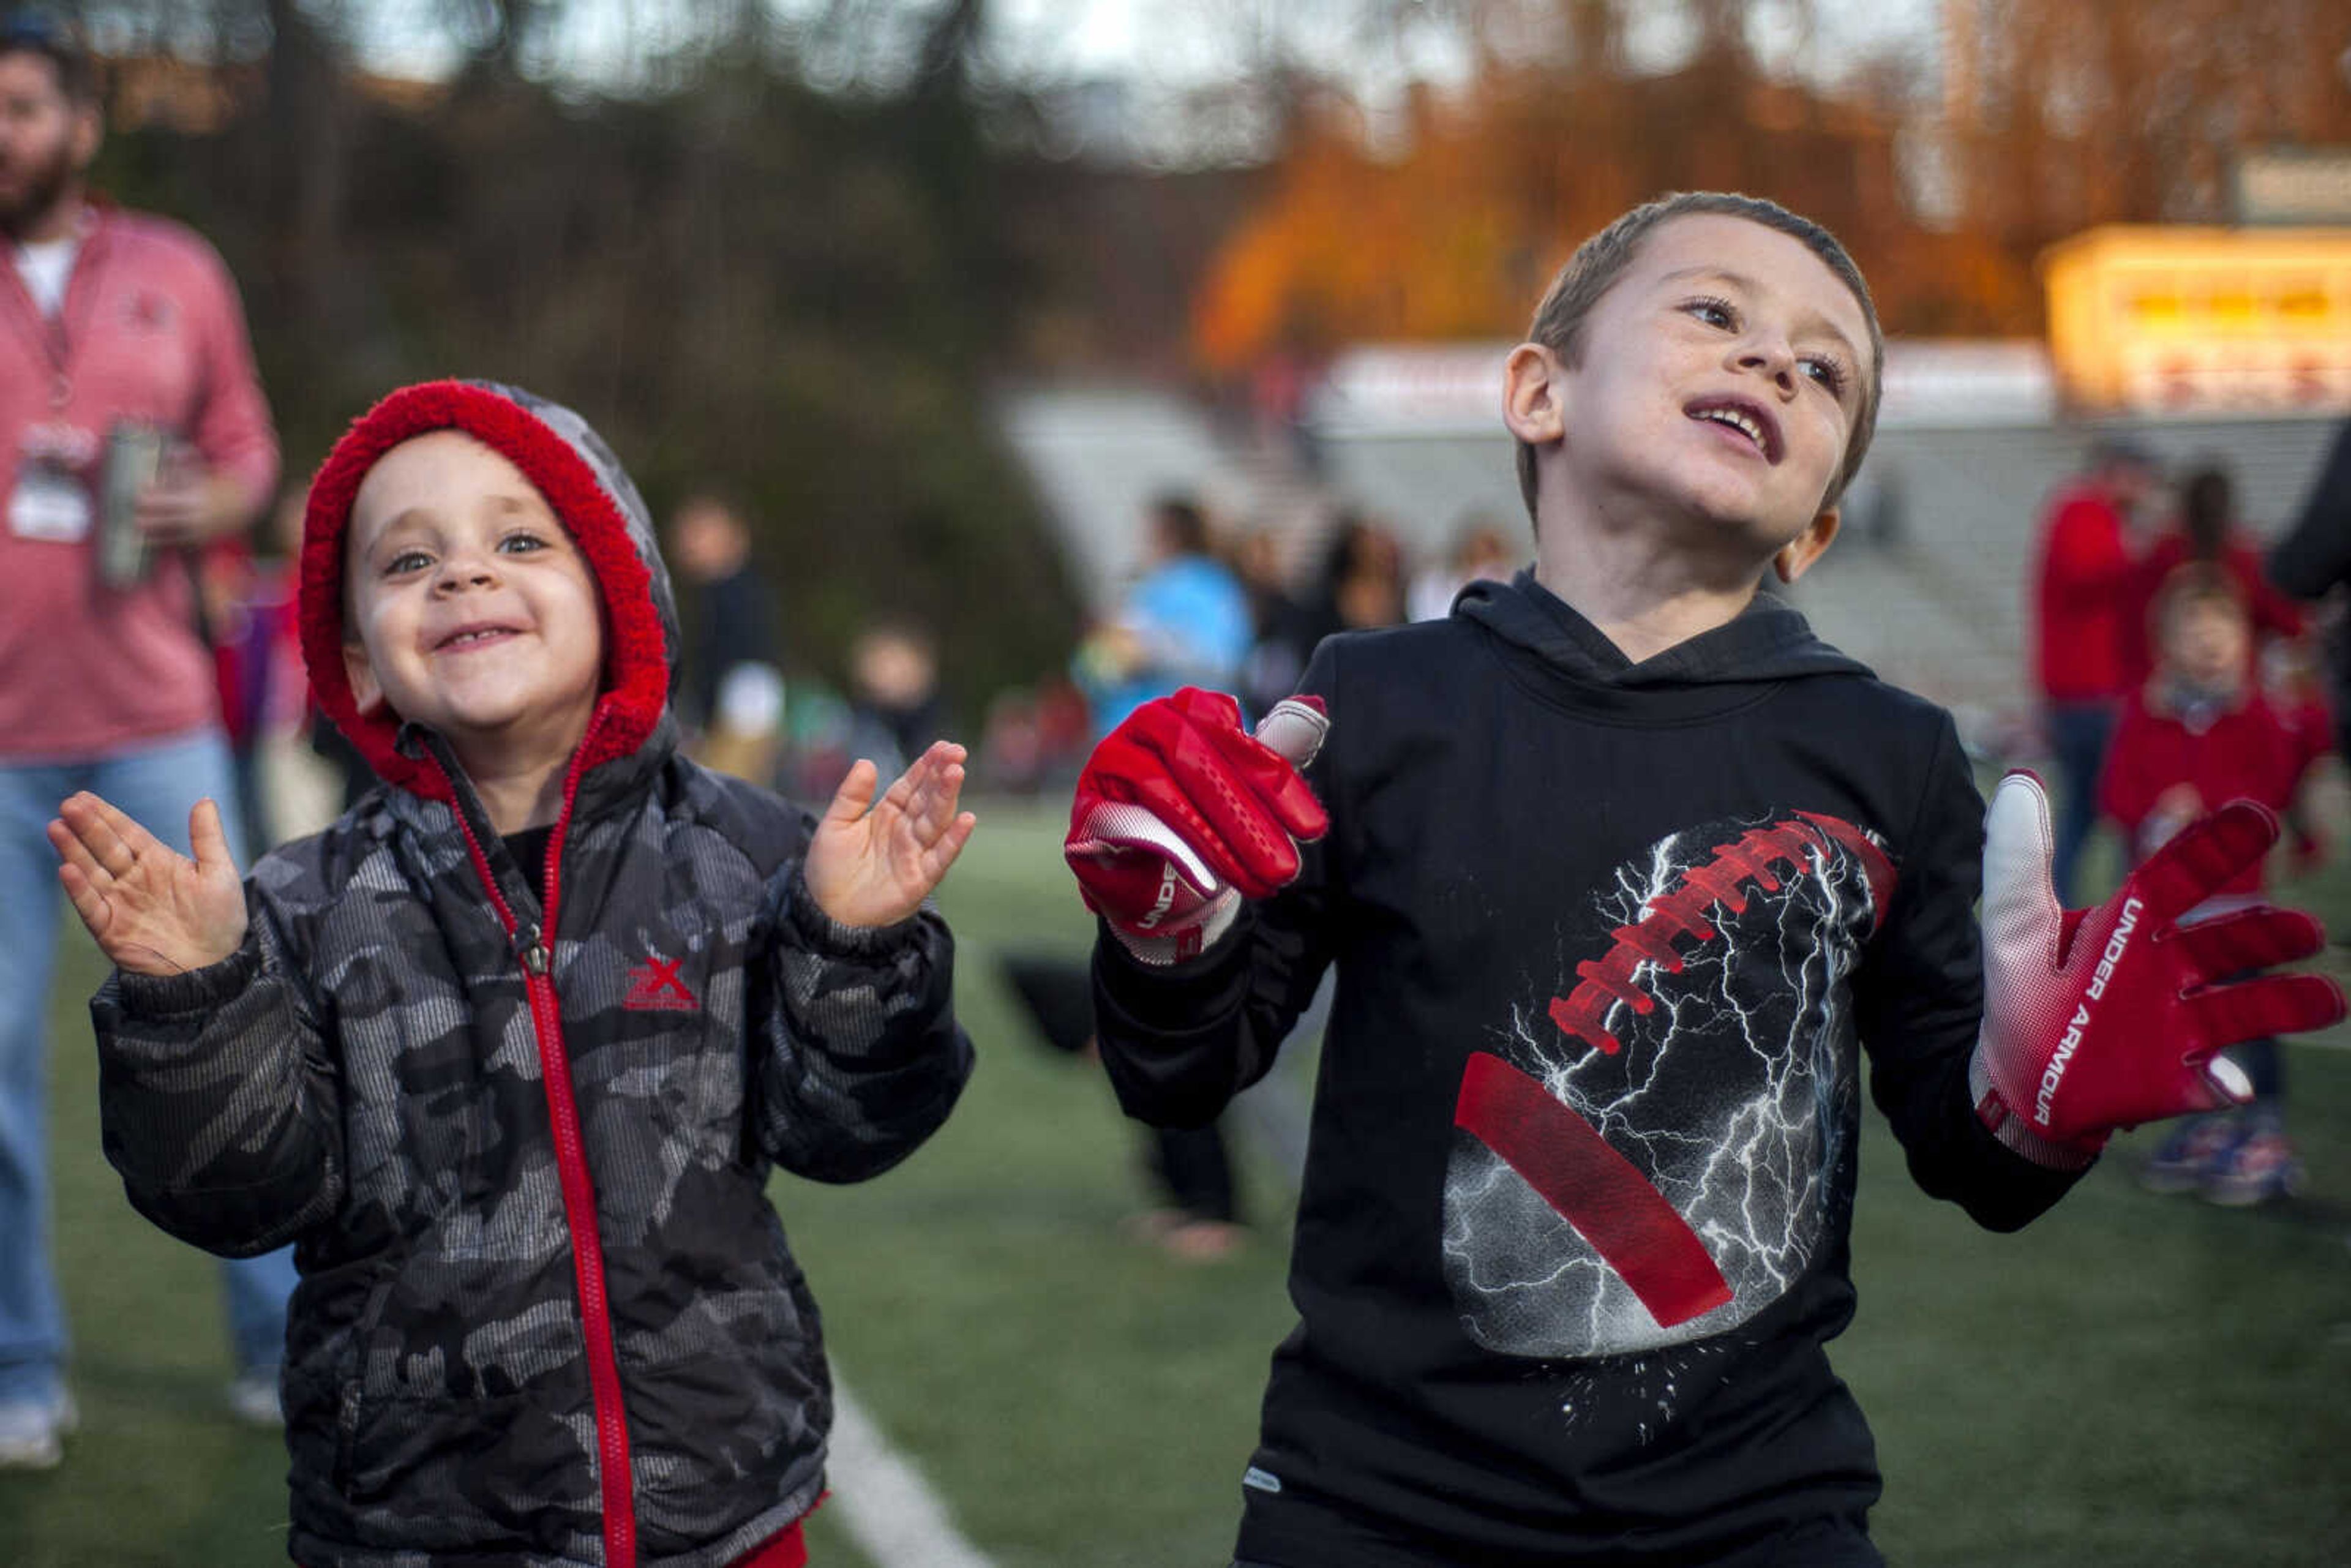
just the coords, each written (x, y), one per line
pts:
(2197, 734)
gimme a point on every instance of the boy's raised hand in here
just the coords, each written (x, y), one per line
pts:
(152, 910)
(1181, 813)
(872, 862)
(2101, 1018)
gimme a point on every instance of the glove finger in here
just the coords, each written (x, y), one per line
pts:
(2202, 856)
(2249, 939)
(2021, 917)
(1294, 731)
(1274, 778)
(1209, 710)
(1248, 846)
(1295, 728)
(2250, 1009)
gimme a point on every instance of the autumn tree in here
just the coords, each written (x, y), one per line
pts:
(2049, 115)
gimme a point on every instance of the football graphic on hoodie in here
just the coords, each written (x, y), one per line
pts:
(1649, 1159)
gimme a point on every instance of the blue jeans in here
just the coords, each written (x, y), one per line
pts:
(2078, 734)
(156, 783)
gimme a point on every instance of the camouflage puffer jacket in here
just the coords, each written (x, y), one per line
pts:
(520, 1136)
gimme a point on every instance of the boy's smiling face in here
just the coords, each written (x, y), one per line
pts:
(470, 609)
(1711, 394)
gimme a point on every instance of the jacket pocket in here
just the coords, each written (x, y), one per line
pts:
(351, 1396)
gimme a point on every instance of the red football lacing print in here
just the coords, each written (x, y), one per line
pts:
(1675, 921)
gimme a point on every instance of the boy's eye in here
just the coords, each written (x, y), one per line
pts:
(521, 544)
(407, 560)
(1713, 312)
(1828, 371)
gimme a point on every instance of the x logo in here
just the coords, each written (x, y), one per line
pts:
(655, 984)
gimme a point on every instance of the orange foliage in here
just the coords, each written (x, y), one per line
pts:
(1460, 237)
(1348, 247)
(2059, 113)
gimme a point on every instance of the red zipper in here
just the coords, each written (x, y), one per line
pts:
(614, 1480)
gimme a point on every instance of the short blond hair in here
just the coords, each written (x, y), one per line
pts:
(1601, 260)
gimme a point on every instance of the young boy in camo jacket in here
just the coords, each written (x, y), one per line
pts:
(509, 1051)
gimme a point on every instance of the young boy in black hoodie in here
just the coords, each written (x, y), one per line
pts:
(1622, 870)
(509, 1053)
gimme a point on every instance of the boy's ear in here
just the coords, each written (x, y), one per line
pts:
(367, 692)
(1796, 557)
(1534, 395)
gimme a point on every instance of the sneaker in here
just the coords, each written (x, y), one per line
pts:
(2196, 1147)
(33, 1431)
(253, 1398)
(2260, 1168)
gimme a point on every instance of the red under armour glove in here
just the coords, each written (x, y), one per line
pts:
(1181, 814)
(2106, 1018)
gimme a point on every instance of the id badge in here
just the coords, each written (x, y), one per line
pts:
(50, 502)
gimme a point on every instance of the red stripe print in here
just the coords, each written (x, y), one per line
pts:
(1611, 1204)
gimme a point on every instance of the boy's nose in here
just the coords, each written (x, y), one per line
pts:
(465, 571)
(1774, 357)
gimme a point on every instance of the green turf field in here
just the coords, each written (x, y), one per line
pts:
(2135, 1380)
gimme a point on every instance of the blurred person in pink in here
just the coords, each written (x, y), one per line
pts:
(116, 328)
(2085, 599)
(2197, 734)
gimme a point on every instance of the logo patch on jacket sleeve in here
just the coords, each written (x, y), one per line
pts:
(655, 986)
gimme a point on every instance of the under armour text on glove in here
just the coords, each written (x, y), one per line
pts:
(2101, 1018)
(1181, 814)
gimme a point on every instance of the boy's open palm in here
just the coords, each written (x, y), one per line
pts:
(872, 862)
(152, 910)
(2101, 1018)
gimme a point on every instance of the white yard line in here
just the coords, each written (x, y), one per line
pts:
(892, 1513)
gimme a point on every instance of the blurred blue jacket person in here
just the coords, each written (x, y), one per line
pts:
(1185, 622)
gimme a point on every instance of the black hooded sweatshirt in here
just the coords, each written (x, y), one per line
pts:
(1610, 940)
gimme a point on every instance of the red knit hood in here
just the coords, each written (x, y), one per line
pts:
(571, 466)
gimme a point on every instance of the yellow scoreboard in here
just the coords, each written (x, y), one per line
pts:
(2155, 320)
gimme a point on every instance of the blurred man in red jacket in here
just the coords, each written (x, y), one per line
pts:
(2087, 590)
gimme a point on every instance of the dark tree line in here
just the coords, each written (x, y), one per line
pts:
(800, 295)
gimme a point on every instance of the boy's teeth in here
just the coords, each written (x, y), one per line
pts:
(1737, 421)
